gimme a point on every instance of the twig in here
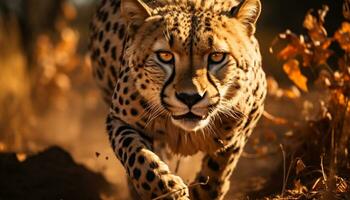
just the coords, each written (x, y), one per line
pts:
(290, 167)
(286, 174)
(323, 172)
(284, 170)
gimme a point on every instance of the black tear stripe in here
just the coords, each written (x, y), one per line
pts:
(167, 82)
(172, 75)
(212, 82)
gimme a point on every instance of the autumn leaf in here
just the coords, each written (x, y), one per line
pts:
(316, 31)
(343, 36)
(291, 68)
(288, 52)
(296, 46)
(321, 55)
(307, 58)
(315, 27)
(339, 97)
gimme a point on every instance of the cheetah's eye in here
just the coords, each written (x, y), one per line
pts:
(216, 57)
(165, 57)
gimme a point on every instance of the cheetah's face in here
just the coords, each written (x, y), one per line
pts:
(193, 66)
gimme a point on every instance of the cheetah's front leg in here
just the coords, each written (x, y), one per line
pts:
(149, 175)
(218, 168)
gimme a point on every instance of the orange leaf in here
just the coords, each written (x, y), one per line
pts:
(343, 36)
(315, 27)
(291, 68)
(321, 56)
(288, 52)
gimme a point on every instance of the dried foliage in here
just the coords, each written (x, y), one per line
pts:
(46, 85)
(315, 64)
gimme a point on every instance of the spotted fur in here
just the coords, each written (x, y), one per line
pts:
(190, 103)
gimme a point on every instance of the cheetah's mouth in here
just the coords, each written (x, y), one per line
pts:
(189, 116)
(190, 121)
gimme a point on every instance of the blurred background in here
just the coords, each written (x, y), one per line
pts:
(48, 96)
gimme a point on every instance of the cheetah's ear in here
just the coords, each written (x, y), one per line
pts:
(135, 11)
(247, 12)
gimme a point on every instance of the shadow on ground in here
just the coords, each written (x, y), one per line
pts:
(51, 174)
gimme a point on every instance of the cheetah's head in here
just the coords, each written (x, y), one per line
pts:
(191, 58)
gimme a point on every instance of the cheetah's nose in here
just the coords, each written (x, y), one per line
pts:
(189, 99)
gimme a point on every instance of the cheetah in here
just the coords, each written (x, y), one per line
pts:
(185, 73)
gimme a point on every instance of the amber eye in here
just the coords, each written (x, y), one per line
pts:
(217, 57)
(165, 57)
